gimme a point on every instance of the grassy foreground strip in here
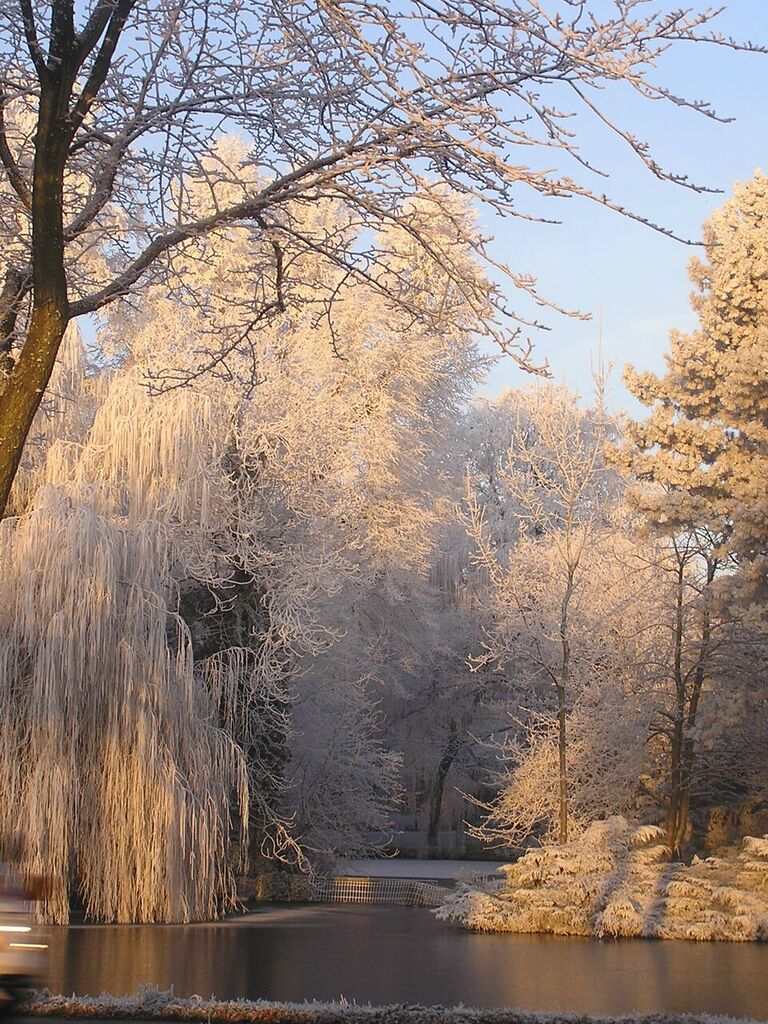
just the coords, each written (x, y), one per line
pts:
(151, 1005)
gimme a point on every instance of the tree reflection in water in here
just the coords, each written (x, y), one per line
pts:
(383, 955)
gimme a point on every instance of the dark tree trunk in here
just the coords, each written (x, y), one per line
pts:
(688, 687)
(562, 709)
(438, 788)
(677, 808)
(58, 120)
(562, 757)
(15, 286)
(677, 805)
(29, 375)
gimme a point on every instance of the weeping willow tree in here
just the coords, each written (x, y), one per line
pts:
(124, 759)
(109, 749)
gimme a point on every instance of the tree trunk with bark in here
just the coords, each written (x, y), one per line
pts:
(562, 685)
(438, 789)
(31, 371)
(688, 688)
(60, 114)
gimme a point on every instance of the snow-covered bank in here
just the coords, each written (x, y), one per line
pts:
(151, 1005)
(616, 881)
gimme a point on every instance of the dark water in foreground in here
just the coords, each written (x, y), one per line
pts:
(382, 954)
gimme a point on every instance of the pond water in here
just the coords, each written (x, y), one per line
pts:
(382, 954)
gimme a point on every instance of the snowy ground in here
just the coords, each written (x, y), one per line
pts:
(152, 1005)
(406, 867)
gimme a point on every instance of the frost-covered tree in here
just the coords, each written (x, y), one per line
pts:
(179, 565)
(688, 612)
(555, 489)
(649, 662)
(122, 777)
(700, 460)
(344, 781)
(664, 724)
(107, 108)
(435, 707)
(437, 711)
(610, 706)
(705, 442)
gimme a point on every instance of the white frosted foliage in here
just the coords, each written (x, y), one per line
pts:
(616, 881)
(121, 755)
(109, 750)
(180, 559)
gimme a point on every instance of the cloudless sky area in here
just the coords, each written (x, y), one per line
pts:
(629, 277)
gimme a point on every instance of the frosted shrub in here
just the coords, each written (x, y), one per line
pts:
(617, 882)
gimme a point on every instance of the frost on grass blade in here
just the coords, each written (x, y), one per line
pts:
(150, 1004)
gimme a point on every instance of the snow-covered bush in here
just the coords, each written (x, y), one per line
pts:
(618, 882)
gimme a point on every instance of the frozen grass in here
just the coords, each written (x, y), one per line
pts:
(616, 882)
(150, 1005)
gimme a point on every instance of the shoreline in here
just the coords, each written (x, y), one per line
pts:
(152, 1005)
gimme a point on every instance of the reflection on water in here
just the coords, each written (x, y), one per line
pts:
(383, 954)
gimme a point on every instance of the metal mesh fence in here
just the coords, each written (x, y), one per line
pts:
(407, 892)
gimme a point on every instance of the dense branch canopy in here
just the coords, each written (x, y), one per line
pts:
(333, 99)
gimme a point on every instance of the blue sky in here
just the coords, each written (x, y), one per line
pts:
(632, 278)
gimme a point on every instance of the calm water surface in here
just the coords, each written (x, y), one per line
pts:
(381, 954)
